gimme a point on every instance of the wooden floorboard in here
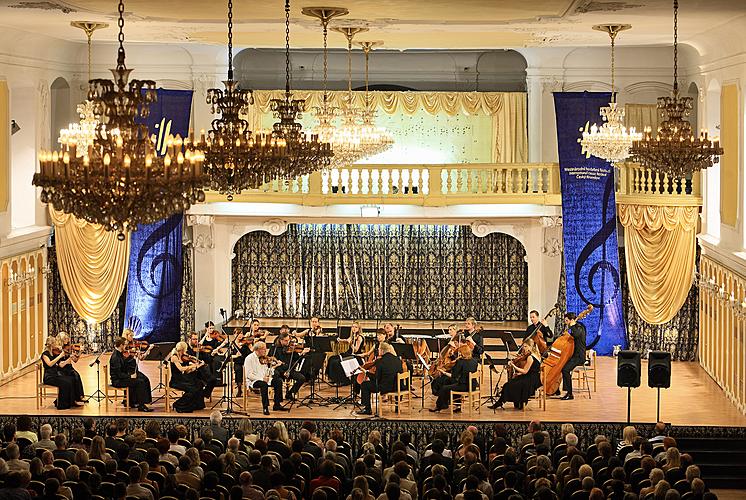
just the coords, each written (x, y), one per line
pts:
(693, 399)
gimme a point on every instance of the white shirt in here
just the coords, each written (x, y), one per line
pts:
(254, 370)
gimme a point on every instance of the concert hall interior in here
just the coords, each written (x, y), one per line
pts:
(513, 230)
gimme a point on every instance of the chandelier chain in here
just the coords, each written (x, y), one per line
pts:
(613, 46)
(325, 25)
(676, 47)
(120, 37)
(230, 39)
(366, 49)
(287, 47)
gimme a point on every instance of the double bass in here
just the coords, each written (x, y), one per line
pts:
(559, 354)
(520, 359)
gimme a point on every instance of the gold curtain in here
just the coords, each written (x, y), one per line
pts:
(508, 109)
(640, 116)
(660, 252)
(93, 265)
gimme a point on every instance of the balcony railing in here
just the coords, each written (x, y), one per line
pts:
(457, 184)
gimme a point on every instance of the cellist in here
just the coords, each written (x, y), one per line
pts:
(578, 333)
(544, 330)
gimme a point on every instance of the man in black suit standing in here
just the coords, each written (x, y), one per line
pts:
(577, 330)
(124, 373)
(465, 365)
(388, 366)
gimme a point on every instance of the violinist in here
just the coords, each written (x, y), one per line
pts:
(388, 366)
(293, 361)
(217, 343)
(194, 349)
(459, 378)
(55, 361)
(185, 377)
(380, 339)
(124, 373)
(133, 347)
(240, 349)
(257, 332)
(314, 329)
(526, 379)
(392, 334)
(259, 374)
(577, 330)
(447, 355)
(473, 336)
(73, 352)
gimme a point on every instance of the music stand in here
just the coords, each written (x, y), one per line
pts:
(316, 360)
(159, 352)
(344, 333)
(510, 347)
(492, 399)
(351, 366)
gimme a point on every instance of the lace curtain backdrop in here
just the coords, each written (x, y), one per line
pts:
(61, 315)
(679, 336)
(381, 272)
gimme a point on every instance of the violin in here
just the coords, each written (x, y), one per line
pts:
(216, 335)
(202, 348)
(186, 358)
(270, 361)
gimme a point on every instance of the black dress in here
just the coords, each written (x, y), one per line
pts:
(334, 369)
(519, 389)
(69, 391)
(193, 397)
(70, 371)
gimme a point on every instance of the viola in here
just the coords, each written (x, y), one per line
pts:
(369, 366)
(186, 358)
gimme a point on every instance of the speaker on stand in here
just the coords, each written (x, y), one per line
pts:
(659, 375)
(628, 375)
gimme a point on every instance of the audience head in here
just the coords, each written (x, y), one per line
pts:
(23, 423)
(185, 463)
(604, 449)
(587, 482)
(673, 458)
(9, 432)
(596, 494)
(629, 434)
(571, 439)
(45, 432)
(656, 475)
(566, 429)
(697, 486)
(153, 429)
(661, 488)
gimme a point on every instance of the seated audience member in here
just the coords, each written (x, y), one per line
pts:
(184, 475)
(14, 462)
(245, 480)
(326, 477)
(135, 489)
(659, 432)
(24, 429)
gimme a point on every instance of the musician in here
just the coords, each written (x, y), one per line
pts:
(392, 334)
(380, 339)
(256, 330)
(540, 323)
(129, 336)
(388, 366)
(55, 361)
(239, 351)
(526, 379)
(577, 330)
(314, 328)
(459, 378)
(69, 369)
(212, 338)
(204, 372)
(473, 336)
(124, 373)
(450, 351)
(293, 363)
(260, 375)
(185, 377)
(334, 369)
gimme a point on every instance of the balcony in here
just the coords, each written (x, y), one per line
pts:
(461, 184)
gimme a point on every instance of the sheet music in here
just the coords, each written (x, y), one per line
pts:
(351, 366)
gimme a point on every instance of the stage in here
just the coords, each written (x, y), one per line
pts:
(693, 400)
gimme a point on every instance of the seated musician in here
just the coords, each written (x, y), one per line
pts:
(55, 360)
(388, 366)
(259, 374)
(239, 351)
(459, 378)
(334, 369)
(473, 336)
(185, 377)
(525, 379)
(256, 330)
(293, 363)
(446, 357)
(577, 330)
(124, 373)
(194, 349)
(314, 328)
(380, 339)
(392, 334)
(69, 369)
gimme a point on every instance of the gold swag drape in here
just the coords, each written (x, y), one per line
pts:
(508, 109)
(660, 252)
(92, 263)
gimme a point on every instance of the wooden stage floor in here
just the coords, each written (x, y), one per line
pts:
(693, 399)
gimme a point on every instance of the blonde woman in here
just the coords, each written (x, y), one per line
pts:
(284, 435)
(73, 355)
(55, 362)
(526, 378)
(184, 377)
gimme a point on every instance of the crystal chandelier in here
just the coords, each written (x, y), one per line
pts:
(376, 139)
(286, 152)
(229, 158)
(676, 151)
(120, 181)
(610, 141)
(83, 132)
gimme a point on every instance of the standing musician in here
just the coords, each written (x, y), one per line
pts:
(459, 378)
(73, 353)
(55, 361)
(578, 333)
(124, 373)
(474, 338)
(447, 355)
(239, 351)
(204, 372)
(543, 328)
(260, 375)
(291, 357)
(388, 366)
(217, 343)
(525, 380)
(185, 377)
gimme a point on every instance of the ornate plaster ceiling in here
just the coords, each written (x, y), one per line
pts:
(402, 24)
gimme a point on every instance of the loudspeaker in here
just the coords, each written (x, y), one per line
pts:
(628, 369)
(659, 369)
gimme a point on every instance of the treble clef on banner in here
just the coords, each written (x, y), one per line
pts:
(166, 260)
(598, 298)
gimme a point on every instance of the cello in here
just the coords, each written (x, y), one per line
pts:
(559, 354)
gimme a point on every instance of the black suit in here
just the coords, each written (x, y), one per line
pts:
(478, 340)
(388, 367)
(546, 332)
(459, 381)
(299, 376)
(121, 370)
(278, 447)
(578, 355)
(436, 458)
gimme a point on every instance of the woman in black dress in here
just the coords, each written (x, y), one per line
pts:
(526, 380)
(64, 340)
(54, 360)
(239, 351)
(334, 369)
(184, 377)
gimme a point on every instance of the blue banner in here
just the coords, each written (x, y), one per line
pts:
(155, 271)
(589, 224)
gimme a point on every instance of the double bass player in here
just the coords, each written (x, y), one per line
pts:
(578, 333)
